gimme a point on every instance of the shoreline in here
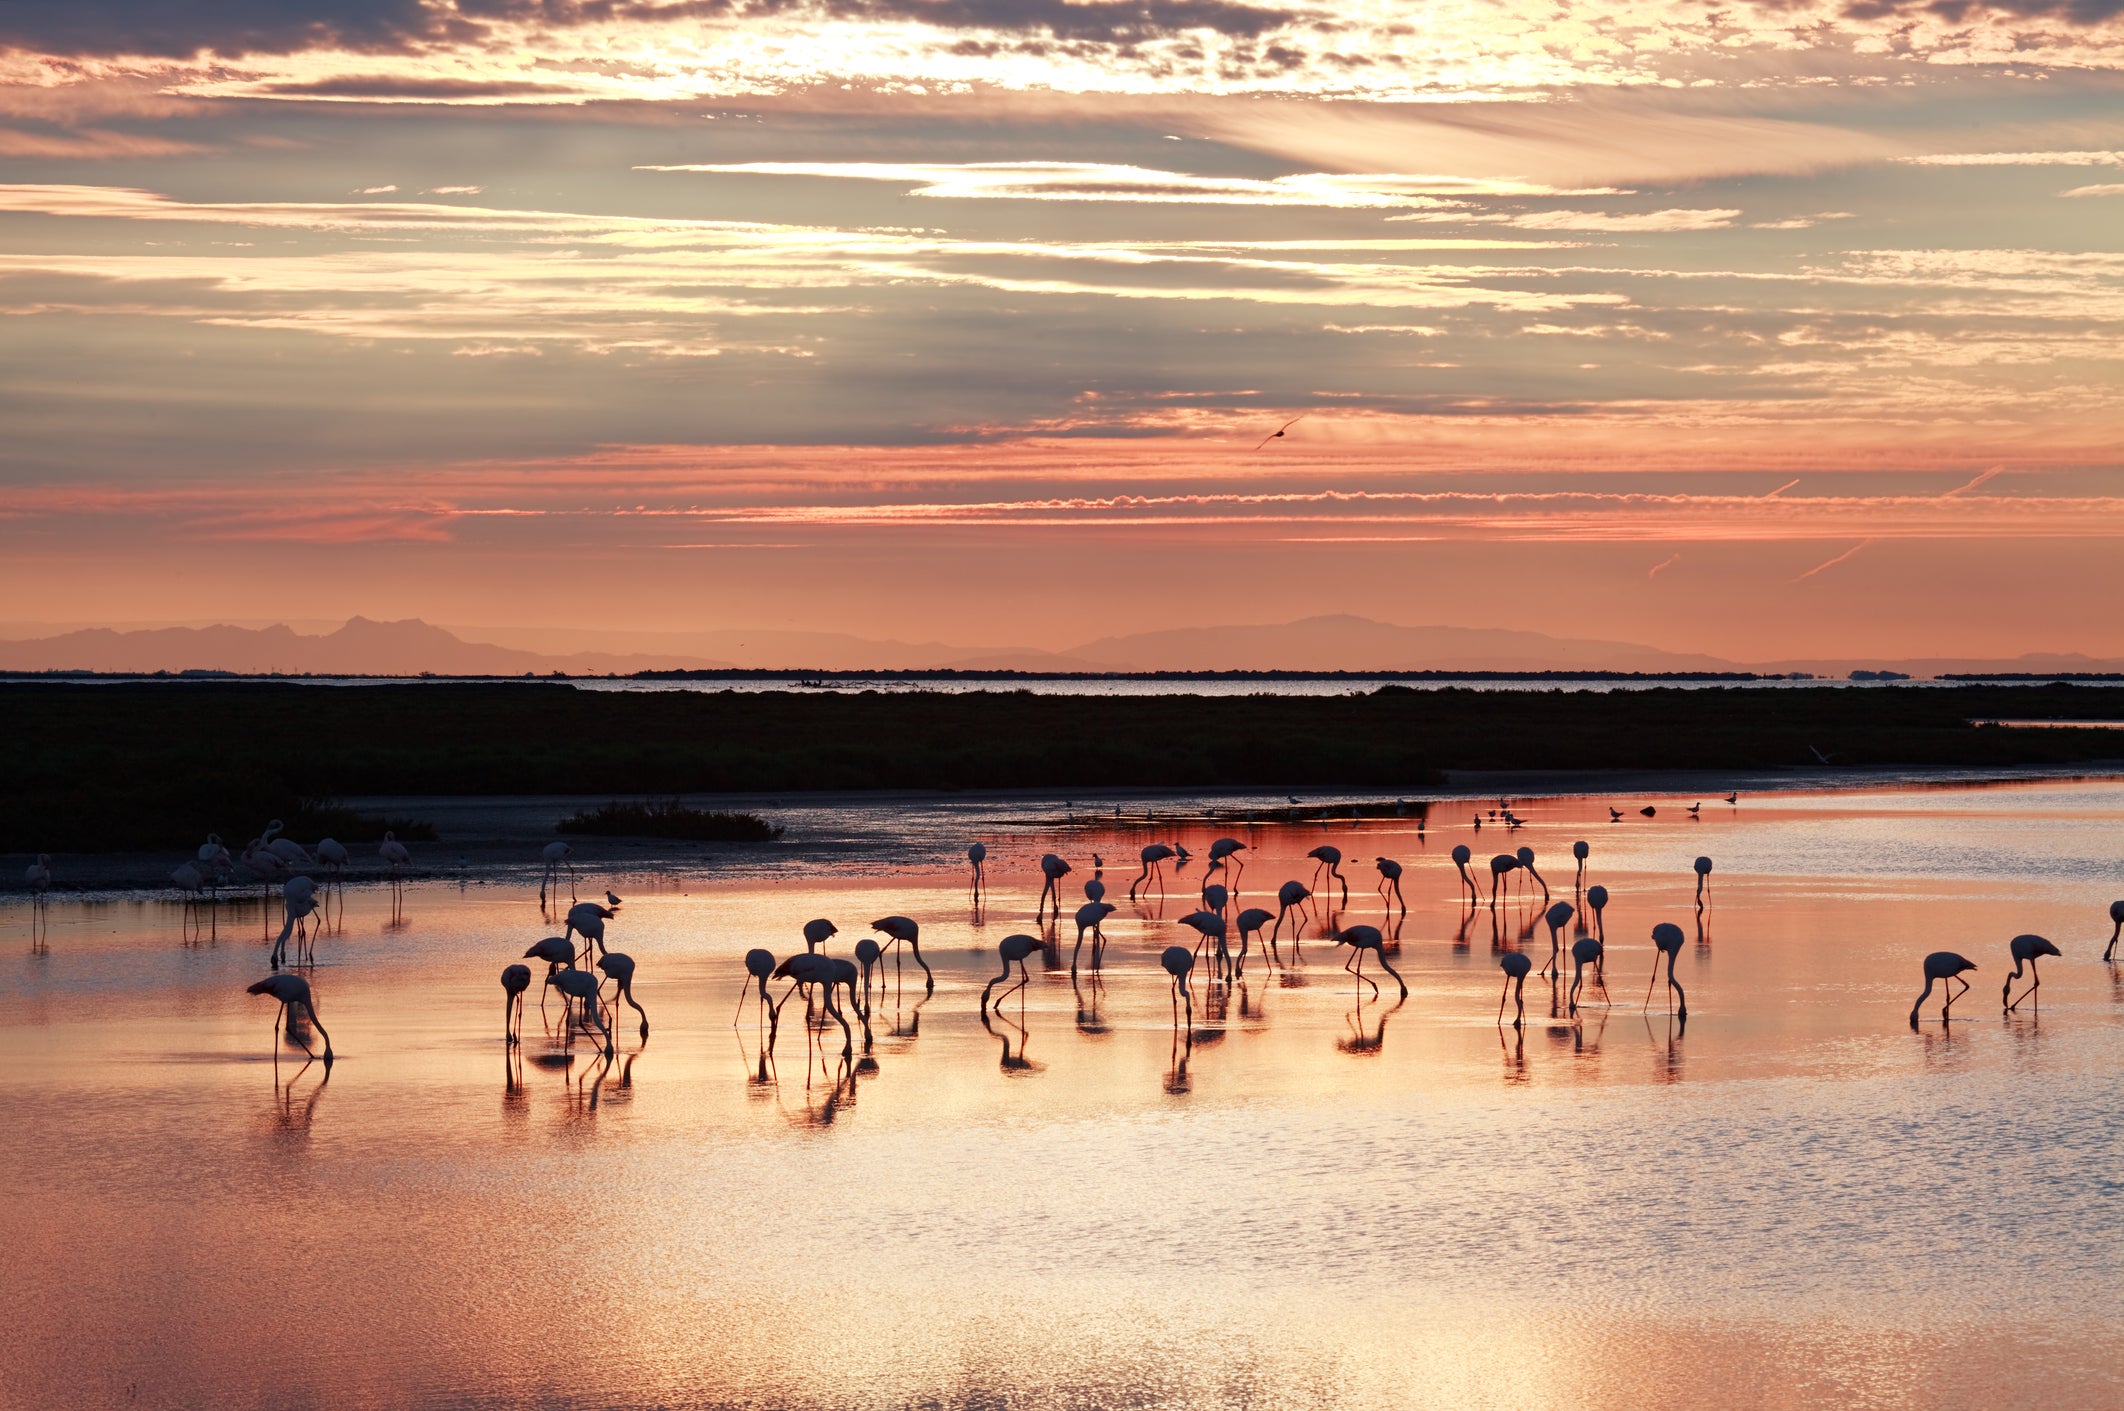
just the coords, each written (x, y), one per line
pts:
(484, 838)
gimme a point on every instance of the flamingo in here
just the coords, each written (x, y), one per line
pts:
(1179, 962)
(1703, 877)
(1597, 899)
(1461, 857)
(1581, 850)
(803, 971)
(332, 853)
(582, 985)
(558, 952)
(619, 968)
(977, 854)
(1558, 916)
(1224, 854)
(1389, 881)
(1367, 938)
(899, 929)
(2116, 917)
(1526, 860)
(292, 990)
(759, 964)
(556, 855)
(1089, 918)
(2025, 949)
(265, 864)
(1250, 922)
(298, 899)
(1290, 894)
(817, 932)
(1584, 951)
(1054, 869)
(1668, 938)
(188, 877)
(587, 919)
(1329, 857)
(515, 980)
(394, 853)
(1154, 858)
(1013, 951)
(1943, 966)
(213, 856)
(1216, 898)
(38, 875)
(1094, 889)
(1517, 965)
(1210, 927)
(289, 851)
(1501, 867)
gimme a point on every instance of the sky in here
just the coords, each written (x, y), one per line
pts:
(1764, 330)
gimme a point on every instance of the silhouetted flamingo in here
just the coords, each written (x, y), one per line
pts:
(1250, 922)
(1054, 869)
(298, 899)
(556, 855)
(556, 951)
(1013, 951)
(1526, 860)
(515, 980)
(1290, 894)
(1215, 898)
(332, 853)
(1154, 857)
(1224, 853)
(1580, 850)
(976, 855)
(1501, 867)
(2025, 949)
(292, 990)
(2116, 917)
(582, 985)
(587, 919)
(1389, 881)
(759, 964)
(619, 968)
(1669, 939)
(1943, 966)
(804, 971)
(1584, 951)
(1090, 916)
(1517, 965)
(1210, 927)
(394, 854)
(1328, 858)
(901, 929)
(1703, 877)
(1557, 916)
(869, 955)
(1179, 962)
(1367, 938)
(1461, 856)
(1094, 889)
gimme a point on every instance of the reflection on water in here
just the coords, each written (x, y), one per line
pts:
(1302, 1193)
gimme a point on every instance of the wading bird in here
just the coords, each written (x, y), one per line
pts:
(1501, 867)
(1094, 889)
(1224, 854)
(394, 854)
(1389, 882)
(292, 990)
(1154, 857)
(1557, 916)
(1945, 968)
(1461, 857)
(1597, 899)
(817, 932)
(515, 980)
(333, 857)
(1703, 876)
(1250, 923)
(289, 851)
(619, 968)
(1290, 894)
(1668, 938)
(759, 964)
(1054, 869)
(1328, 858)
(2025, 950)
(1210, 927)
(587, 919)
(1014, 950)
(557, 952)
(899, 930)
(1526, 860)
(804, 971)
(1216, 898)
(1614, 815)
(2116, 928)
(1367, 938)
(1089, 918)
(1580, 850)
(976, 855)
(298, 900)
(1179, 962)
(38, 876)
(557, 855)
(1585, 951)
(582, 985)
(1517, 965)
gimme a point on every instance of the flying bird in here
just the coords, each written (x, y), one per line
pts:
(1278, 432)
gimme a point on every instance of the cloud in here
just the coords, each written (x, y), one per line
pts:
(1095, 181)
(1833, 562)
(2020, 159)
(90, 144)
(2105, 189)
(1668, 562)
(1646, 221)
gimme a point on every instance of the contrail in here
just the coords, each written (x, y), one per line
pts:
(1832, 563)
(1667, 562)
(1782, 488)
(1965, 489)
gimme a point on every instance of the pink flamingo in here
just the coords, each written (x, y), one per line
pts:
(1054, 869)
(292, 990)
(1943, 967)
(1089, 918)
(1461, 858)
(515, 980)
(1669, 939)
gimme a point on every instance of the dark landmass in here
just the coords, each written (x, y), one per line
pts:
(95, 768)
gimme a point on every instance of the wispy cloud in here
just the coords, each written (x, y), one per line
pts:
(1666, 563)
(2021, 159)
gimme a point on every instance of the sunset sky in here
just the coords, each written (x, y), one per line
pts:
(1764, 330)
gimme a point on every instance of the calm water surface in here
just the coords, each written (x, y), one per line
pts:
(1311, 1198)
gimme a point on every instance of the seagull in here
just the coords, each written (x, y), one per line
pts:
(1283, 428)
(1695, 809)
(1734, 797)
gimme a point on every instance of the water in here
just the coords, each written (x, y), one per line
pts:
(1308, 1198)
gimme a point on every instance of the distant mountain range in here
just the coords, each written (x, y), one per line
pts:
(1336, 643)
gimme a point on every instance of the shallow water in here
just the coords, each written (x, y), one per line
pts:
(1307, 1197)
